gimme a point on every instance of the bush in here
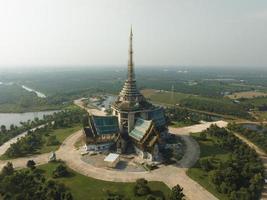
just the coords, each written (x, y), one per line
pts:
(60, 171)
(141, 187)
(177, 193)
(52, 140)
(205, 164)
(31, 164)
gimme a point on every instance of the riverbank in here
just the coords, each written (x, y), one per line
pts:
(14, 108)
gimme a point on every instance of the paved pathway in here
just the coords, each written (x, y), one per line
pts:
(170, 175)
(92, 111)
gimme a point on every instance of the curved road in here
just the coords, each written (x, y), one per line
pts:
(170, 175)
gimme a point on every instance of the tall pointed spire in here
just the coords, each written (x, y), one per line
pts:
(130, 62)
(130, 92)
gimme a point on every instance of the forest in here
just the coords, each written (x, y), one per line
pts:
(241, 176)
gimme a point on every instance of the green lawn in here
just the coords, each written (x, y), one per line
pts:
(208, 148)
(61, 135)
(84, 188)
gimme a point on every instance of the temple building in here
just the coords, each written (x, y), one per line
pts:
(134, 122)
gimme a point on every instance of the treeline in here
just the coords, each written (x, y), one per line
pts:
(30, 184)
(34, 140)
(185, 116)
(15, 99)
(241, 177)
(257, 137)
(7, 133)
(220, 106)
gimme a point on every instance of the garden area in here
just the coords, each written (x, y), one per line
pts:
(227, 167)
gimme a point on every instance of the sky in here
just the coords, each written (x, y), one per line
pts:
(43, 33)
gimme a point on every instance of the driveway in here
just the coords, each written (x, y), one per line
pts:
(170, 175)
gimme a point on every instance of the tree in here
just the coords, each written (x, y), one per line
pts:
(141, 187)
(31, 164)
(8, 169)
(60, 171)
(203, 135)
(177, 193)
(205, 164)
(3, 129)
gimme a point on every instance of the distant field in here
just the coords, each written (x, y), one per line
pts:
(164, 97)
(217, 105)
(247, 95)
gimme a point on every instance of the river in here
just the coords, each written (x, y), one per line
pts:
(15, 118)
(39, 94)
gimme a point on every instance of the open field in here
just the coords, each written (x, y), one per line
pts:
(213, 105)
(208, 148)
(260, 115)
(84, 188)
(247, 95)
(165, 97)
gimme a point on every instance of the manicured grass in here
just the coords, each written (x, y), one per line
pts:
(84, 188)
(61, 134)
(165, 97)
(208, 148)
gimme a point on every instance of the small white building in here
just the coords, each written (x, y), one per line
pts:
(112, 159)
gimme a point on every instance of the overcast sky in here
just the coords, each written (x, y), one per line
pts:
(166, 32)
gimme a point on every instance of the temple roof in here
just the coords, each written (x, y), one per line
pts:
(104, 124)
(140, 129)
(158, 117)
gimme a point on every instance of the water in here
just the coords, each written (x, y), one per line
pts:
(15, 118)
(39, 94)
(253, 127)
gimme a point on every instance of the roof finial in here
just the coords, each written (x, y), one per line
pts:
(130, 62)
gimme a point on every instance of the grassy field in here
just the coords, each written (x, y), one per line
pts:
(247, 95)
(61, 134)
(164, 97)
(208, 148)
(84, 188)
(260, 115)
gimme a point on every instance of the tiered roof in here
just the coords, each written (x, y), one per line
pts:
(157, 115)
(104, 124)
(140, 129)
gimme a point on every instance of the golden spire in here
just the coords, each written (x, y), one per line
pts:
(130, 62)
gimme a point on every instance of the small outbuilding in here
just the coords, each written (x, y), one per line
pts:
(112, 160)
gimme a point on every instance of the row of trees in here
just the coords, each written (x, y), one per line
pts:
(258, 137)
(241, 177)
(185, 116)
(30, 185)
(220, 106)
(34, 140)
(7, 133)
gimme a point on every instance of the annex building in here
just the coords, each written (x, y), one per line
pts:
(135, 125)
